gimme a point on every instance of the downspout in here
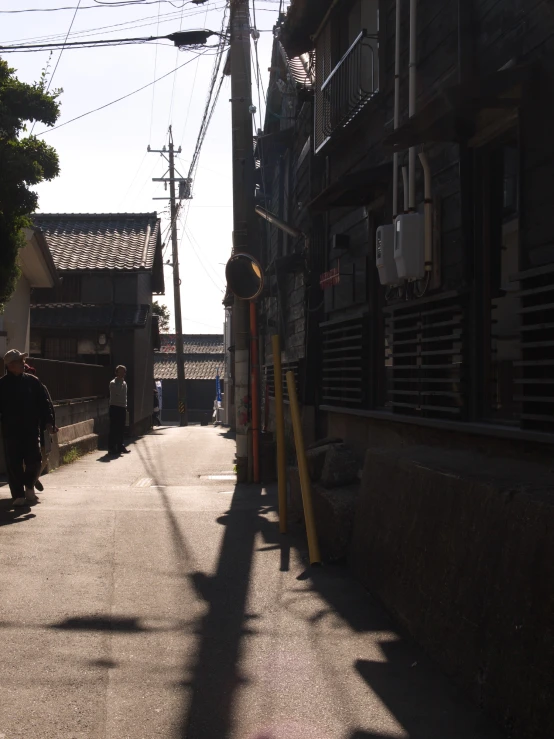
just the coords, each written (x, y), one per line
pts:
(428, 211)
(396, 110)
(405, 181)
(412, 71)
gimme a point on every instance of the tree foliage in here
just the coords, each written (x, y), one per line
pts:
(163, 312)
(25, 161)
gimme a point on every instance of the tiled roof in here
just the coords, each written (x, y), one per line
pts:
(79, 315)
(85, 241)
(196, 367)
(194, 343)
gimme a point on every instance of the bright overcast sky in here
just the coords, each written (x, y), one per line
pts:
(104, 164)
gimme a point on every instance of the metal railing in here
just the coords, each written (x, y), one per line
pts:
(348, 88)
(71, 380)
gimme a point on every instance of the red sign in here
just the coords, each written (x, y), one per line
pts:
(328, 279)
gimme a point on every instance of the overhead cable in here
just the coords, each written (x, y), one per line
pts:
(182, 39)
(113, 102)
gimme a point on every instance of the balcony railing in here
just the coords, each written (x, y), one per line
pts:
(347, 89)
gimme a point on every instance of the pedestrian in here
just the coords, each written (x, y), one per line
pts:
(118, 412)
(24, 408)
(156, 408)
(45, 438)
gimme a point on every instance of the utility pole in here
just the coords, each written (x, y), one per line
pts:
(181, 384)
(243, 218)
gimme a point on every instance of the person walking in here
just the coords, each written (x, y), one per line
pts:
(156, 407)
(45, 437)
(24, 408)
(118, 412)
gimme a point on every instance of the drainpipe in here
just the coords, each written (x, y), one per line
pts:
(428, 213)
(405, 181)
(396, 110)
(412, 71)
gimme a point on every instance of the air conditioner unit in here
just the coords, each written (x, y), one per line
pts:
(409, 249)
(384, 255)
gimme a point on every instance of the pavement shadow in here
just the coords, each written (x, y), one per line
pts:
(129, 625)
(18, 515)
(421, 699)
(215, 676)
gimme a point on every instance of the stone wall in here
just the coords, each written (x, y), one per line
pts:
(460, 548)
(83, 425)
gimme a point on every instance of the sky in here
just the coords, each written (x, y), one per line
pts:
(105, 167)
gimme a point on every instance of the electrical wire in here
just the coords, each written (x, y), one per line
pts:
(59, 57)
(137, 23)
(98, 6)
(185, 233)
(193, 86)
(175, 74)
(208, 262)
(113, 102)
(154, 76)
(63, 47)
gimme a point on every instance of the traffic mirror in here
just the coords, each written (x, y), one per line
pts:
(244, 276)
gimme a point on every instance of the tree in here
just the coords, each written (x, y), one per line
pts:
(25, 161)
(163, 312)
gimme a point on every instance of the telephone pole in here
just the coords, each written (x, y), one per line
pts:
(174, 209)
(243, 218)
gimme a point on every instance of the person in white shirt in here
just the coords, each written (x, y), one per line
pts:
(118, 412)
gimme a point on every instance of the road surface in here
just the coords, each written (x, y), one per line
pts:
(150, 597)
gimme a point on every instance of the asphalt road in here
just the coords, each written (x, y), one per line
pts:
(142, 599)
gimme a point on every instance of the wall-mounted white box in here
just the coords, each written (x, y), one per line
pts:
(409, 247)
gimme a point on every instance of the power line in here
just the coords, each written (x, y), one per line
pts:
(63, 47)
(166, 18)
(98, 6)
(182, 39)
(154, 76)
(123, 97)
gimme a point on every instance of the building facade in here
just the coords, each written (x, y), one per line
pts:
(110, 265)
(461, 342)
(204, 360)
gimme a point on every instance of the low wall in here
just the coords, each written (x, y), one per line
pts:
(460, 548)
(83, 424)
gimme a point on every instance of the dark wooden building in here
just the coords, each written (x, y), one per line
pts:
(110, 265)
(417, 308)
(204, 359)
(464, 344)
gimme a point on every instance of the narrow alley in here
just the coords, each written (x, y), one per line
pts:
(150, 596)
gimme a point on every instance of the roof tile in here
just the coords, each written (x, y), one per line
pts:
(115, 241)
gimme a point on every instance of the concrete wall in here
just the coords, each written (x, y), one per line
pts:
(460, 549)
(15, 319)
(81, 423)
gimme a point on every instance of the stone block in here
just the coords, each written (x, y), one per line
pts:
(341, 466)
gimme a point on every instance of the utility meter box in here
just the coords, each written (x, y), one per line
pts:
(384, 255)
(409, 249)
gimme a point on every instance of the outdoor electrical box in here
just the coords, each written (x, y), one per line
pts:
(384, 255)
(409, 249)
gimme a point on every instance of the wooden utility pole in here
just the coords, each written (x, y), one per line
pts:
(181, 383)
(243, 218)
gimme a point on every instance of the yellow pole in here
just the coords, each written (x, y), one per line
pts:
(280, 424)
(313, 545)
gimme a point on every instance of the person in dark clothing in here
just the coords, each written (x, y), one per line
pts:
(23, 408)
(118, 412)
(45, 438)
(156, 408)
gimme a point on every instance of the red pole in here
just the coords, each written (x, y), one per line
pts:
(254, 363)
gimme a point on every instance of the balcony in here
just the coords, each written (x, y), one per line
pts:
(347, 89)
